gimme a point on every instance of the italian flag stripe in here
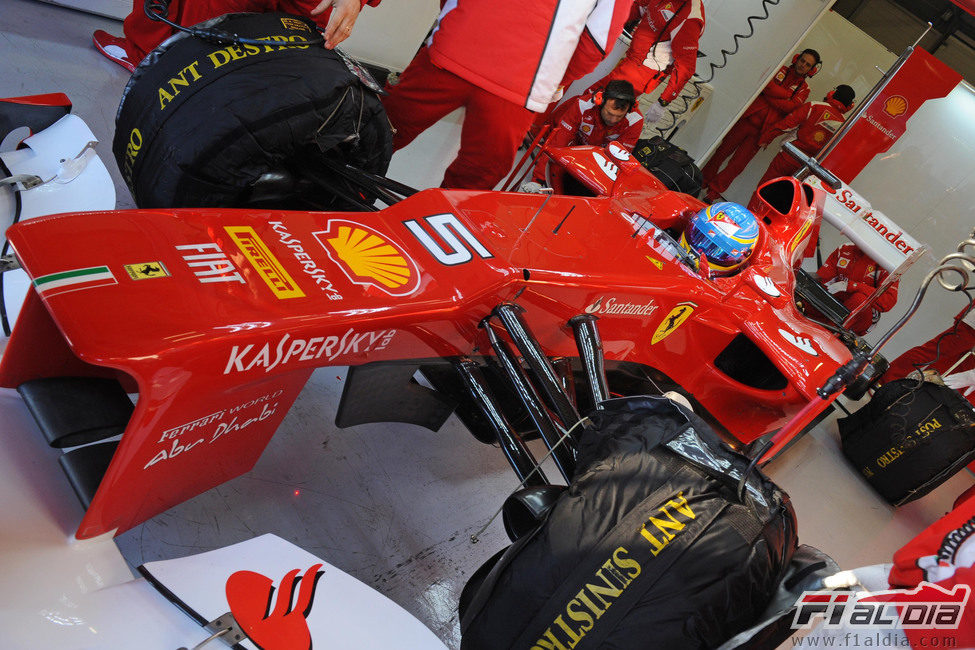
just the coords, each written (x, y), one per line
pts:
(75, 279)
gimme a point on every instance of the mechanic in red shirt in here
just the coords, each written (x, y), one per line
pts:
(942, 554)
(608, 116)
(485, 56)
(851, 276)
(142, 34)
(814, 124)
(785, 93)
(664, 44)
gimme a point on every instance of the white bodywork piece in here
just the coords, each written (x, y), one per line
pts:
(250, 579)
(55, 170)
(872, 231)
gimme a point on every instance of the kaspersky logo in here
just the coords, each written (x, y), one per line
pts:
(369, 258)
(926, 607)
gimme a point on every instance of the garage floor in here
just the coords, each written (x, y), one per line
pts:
(394, 505)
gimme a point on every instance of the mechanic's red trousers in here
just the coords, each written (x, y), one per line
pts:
(492, 130)
(145, 34)
(864, 320)
(741, 144)
(953, 346)
(782, 165)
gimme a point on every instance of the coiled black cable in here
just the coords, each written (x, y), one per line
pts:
(687, 100)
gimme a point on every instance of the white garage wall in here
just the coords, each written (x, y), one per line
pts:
(745, 73)
(849, 57)
(390, 34)
(926, 183)
(108, 8)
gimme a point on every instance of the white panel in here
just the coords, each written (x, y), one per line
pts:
(110, 8)
(390, 34)
(926, 183)
(747, 71)
(849, 57)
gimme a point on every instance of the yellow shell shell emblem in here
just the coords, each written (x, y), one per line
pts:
(895, 106)
(369, 258)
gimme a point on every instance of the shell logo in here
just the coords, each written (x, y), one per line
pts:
(369, 258)
(895, 106)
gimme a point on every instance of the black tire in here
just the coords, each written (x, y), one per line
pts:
(200, 123)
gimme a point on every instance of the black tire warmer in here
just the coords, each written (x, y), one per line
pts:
(909, 438)
(200, 122)
(649, 547)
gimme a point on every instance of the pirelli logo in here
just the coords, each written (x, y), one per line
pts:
(264, 262)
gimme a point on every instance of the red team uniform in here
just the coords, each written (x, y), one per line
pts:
(577, 122)
(785, 93)
(862, 275)
(489, 57)
(943, 352)
(942, 554)
(664, 43)
(815, 123)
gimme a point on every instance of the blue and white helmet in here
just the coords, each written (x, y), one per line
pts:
(725, 233)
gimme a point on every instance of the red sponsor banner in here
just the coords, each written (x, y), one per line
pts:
(922, 77)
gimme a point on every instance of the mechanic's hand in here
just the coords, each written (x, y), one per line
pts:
(344, 13)
(654, 113)
(837, 287)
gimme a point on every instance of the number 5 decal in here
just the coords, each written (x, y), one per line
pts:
(445, 226)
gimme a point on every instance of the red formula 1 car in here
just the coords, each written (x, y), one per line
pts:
(217, 318)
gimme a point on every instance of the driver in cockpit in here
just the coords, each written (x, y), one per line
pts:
(722, 236)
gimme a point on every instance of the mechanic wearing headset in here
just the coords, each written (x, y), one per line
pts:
(814, 123)
(852, 276)
(609, 115)
(485, 56)
(785, 93)
(142, 35)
